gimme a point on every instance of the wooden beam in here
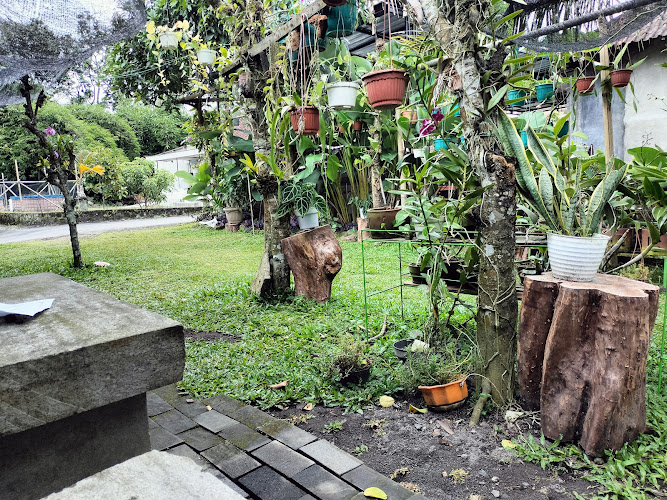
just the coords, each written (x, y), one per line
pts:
(280, 32)
(606, 106)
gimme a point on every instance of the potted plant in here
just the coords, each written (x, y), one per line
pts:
(302, 199)
(342, 19)
(571, 215)
(167, 36)
(206, 56)
(386, 84)
(438, 374)
(585, 84)
(351, 363)
(620, 76)
(381, 222)
(305, 119)
(346, 70)
(544, 90)
(357, 125)
(516, 96)
(233, 193)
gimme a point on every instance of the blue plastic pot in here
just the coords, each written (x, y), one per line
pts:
(440, 144)
(544, 91)
(342, 20)
(524, 138)
(515, 94)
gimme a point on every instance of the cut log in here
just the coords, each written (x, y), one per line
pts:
(593, 340)
(315, 257)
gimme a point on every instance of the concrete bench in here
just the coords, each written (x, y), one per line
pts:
(73, 381)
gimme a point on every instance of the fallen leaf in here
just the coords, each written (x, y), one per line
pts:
(374, 492)
(160, 297)
(101, 263)
(386, 401)
(507, 444)
(445, 441)
(436, 433)
(513, 416)
(308, 407)
(475, 497)
(414, 409)
(209, 408)
(445, 426)
(281, 385)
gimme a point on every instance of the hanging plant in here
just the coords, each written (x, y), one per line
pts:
(305, 120)
(585, 84)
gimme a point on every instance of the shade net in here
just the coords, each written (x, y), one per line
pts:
(44, 38)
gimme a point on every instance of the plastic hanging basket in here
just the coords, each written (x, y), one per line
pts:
(343, 95)
(544, 91)
(305, 120)
(168, 40)
(440, 144)
(585, 85)
(575, 258)
(385, 88)
(342, 20)
(516, 94)
(621, 77)
(206, 56)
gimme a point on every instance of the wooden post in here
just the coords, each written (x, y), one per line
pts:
(606, 106)
(18, 179)
(401, 153)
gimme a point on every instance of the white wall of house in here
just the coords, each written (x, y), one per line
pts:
(186, 159)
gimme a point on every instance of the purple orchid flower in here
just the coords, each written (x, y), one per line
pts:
(49, 131)
(437, 116)
(427, 127)
(55, 153)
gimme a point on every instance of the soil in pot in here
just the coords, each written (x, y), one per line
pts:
(446, 394)
(385, 88)
(358, 376)
(305, 120)
(381, 221)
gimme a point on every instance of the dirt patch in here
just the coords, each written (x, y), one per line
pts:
(209, 336)
(424, 446)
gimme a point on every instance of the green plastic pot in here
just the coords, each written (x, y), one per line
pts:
(342, 20)
(515, 94)
(544, 91)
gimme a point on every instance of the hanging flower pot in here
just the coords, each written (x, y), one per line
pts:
(516, 94)
(305, 120)
(621, 77)
(411, 115)
(343, 95)
(446, 394)
(585, 85)
(168, 40)
(206, 56)
(358, 125)
(386, 88)
(575, 258)
(524, 138)
(342, 20)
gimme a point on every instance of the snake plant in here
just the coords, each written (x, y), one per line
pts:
(561, 203)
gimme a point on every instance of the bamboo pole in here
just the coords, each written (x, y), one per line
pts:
(18, 179)
(606, 106)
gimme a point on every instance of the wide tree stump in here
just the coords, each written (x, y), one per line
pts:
(315, 257)
(582, 357)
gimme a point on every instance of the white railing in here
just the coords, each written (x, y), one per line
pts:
(16, 194)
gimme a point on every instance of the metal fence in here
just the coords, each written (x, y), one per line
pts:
(32, 196)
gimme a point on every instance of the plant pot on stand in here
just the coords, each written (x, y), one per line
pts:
(309, 220)
(575, 258)
(234, 215)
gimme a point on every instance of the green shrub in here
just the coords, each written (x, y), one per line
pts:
(120, 129)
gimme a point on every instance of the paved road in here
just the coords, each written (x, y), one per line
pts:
(10, 235)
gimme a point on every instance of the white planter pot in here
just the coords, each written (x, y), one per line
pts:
(574, 258)
(419, 153)
(206, 56)
(309, 220)
(362, 214)
(168, 40)
(343, 95)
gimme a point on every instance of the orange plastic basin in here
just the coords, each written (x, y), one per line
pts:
(447, 394)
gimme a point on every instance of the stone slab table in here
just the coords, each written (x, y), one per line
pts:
(73, 381)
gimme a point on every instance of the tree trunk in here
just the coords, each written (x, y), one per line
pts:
(315, 257)
(593, 373)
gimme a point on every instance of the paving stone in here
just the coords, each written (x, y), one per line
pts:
(324, 485)
(253, 417)
(364, 477)
(244, 437)
(183, 450)
(267, 484)
(152, 424)
(331, 457)
(190, 409)
(174, 421)
(311, 497)
(169, 392)
(162, 439)
(288, 434)
(224, 404)
(231, 484)
(230, 460)
(200, 439)
(282, 458)
(214, 421)
(156, 404)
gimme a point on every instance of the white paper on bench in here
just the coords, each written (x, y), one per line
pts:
(25, 308)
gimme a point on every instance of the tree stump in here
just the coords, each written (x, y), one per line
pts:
(582, 357)
(315, 257)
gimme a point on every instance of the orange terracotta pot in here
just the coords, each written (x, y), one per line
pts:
(308, 116)
(386, 88)
(447, 394)
(410, 114)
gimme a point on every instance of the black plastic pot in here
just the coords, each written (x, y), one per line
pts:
(358, 376)
(401, 348)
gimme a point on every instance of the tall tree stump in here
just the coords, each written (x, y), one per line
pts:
(582, 357)
(315, 257)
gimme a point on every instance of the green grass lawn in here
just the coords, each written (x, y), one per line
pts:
(202, 277)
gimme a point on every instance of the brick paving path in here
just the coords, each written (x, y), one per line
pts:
(259, 456)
